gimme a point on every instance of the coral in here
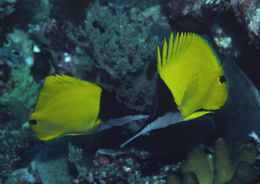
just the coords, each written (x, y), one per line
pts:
(201, 164)
(123, 63)
(18, 95)
(11, 54)
(103, 25)
(75, 157)
(24, 46)
(109, 166)
(24, 176)
(196, 8)
(5, 71)
(20, 92)
(16, 57)
(10, 157)
(190, 178)
(18, 98)
(224, 166)
(201, 15)
(248, 13)
(14, 148)
(244, 174)
(7, 7)
(173, 179)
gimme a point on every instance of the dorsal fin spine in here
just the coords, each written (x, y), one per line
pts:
(164, 59)
(159, 63)
(170, 49)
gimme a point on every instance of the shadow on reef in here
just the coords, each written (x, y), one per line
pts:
(224, 166)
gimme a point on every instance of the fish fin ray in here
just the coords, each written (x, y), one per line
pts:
(61, 83)
(161, 122)
(121, 121)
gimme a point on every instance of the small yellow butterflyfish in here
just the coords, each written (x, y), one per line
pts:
(66, 105)
(70, 106)
(194, 76)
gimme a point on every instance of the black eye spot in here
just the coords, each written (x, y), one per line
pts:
(222, 79)
(16, 53)
(7, 43)
(33, 122)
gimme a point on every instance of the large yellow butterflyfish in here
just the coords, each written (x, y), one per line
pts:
(70, 106)
(193, 74)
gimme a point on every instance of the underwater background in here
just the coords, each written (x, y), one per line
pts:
(113, 43)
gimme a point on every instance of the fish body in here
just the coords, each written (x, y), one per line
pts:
(66, 106)
(188, 67)
(192, 72)
(70, 106)
(194, 75)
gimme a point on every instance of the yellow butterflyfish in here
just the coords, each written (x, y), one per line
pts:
(70, 106)
(194, 76)
(65, 105)
(192, 72)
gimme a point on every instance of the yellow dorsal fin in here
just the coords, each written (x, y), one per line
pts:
(59, 83)
(179, 48)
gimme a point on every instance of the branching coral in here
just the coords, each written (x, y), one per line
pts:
(122, 50)
(115, 48)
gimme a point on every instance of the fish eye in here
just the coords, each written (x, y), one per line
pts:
(7, 43)
(222, 79)
(16, 53)
(33, 122)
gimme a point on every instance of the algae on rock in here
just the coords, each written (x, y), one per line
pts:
(21, 91)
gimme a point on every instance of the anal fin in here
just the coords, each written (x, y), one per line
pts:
(167, 119)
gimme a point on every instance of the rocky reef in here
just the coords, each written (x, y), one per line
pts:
(113, 44)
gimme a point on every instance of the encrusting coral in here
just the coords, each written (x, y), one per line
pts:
(225, 166)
